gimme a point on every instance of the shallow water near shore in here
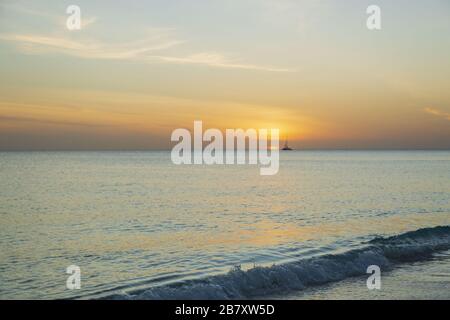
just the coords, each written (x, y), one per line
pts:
(421, 280)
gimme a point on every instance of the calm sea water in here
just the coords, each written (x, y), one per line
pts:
(140, 227)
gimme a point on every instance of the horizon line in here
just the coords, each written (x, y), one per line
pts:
(150, 150)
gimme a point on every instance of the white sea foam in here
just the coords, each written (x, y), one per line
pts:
(262, 281)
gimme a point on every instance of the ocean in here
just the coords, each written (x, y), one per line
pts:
(140, 227)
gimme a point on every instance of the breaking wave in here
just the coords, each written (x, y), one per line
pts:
(298, 275)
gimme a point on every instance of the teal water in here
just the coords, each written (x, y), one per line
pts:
(140, 227)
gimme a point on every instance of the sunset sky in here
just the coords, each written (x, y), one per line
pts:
(136, 71)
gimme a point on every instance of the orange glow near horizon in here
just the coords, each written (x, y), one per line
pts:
(130, 87)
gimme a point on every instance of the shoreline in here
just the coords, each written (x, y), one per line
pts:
(421, 280)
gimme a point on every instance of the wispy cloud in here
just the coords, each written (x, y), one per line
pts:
(57, 19)
(214, 59)
(144, 111)
(50, 122)
(88, 48)
(148, 49)
(438, 113)
(87, 22)
(141, 50)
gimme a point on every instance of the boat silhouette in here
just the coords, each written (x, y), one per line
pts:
(286, 147)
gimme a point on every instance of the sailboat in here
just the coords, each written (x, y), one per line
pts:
(286, 147)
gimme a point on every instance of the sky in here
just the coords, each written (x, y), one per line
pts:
(137, 70)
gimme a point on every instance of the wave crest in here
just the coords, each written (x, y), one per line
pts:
(298, 275)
